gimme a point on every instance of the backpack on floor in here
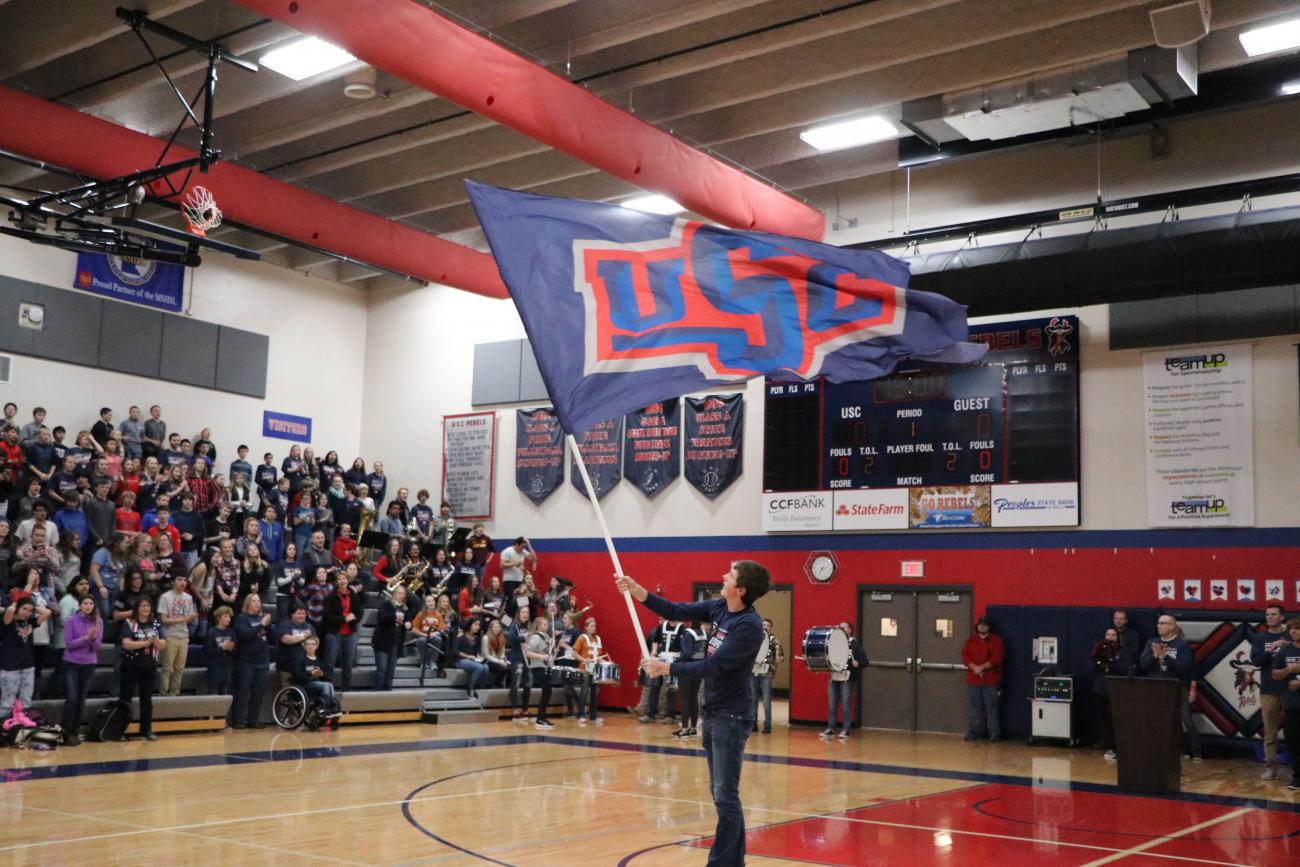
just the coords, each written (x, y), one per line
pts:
(109, 722)
(44, 737)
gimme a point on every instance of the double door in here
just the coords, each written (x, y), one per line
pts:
(913, 639)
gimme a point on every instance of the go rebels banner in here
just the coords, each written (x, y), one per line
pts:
(715, 431)
(539, 453)
(652, 446)
(599, 448)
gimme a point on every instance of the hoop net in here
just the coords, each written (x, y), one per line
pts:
(200, 209)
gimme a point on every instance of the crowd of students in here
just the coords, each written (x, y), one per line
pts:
(132, 535)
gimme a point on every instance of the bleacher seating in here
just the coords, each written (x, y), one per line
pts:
(440, 700)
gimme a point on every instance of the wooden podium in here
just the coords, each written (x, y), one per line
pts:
(1148, 732)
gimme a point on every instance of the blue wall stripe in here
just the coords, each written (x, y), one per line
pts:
(1264, 537)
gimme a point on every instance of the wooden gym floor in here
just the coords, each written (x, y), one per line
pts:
(621, 794)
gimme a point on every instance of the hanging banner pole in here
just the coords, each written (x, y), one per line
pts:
(609, 540)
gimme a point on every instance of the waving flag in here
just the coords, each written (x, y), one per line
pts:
(624, 308)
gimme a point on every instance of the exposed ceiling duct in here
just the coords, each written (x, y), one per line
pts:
(1060, 99)
(52, 133)
(422, 47)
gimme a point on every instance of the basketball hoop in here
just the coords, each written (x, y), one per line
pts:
(201, 212)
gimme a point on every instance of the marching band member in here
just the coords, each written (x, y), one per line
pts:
(537, 651)
(589, 650)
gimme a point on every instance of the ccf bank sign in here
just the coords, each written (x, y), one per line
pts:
(794, 511)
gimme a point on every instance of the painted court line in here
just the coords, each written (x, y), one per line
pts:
(1116, 854)
(215, 823)
(1156, 841)
(138, 827)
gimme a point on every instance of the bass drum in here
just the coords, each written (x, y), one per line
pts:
(826, 648)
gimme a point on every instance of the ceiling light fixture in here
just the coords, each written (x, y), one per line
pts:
(1271, 38)
(849, 133)
(305, 58)
(654, 204)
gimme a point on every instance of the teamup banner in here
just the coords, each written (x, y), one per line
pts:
(652, 446)
(599, 447)
(715, 434)
(1199, 426)
(468, 461)
(539, 453)
(153, 284)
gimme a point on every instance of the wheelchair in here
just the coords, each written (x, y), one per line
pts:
(294, 706)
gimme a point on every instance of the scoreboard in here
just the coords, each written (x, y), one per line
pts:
(992, 444)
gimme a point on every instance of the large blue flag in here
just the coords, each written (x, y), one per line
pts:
(624, 308)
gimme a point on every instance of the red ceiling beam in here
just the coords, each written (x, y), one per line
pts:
(416, 44)
(99, 149)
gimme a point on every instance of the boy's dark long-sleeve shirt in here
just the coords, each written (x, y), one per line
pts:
(729, 658)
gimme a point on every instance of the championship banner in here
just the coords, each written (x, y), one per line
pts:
(1199, 428)
(153, 284)
(652, 446)
(539, 453)
(715, 439)
(468, 463)
(599, 447)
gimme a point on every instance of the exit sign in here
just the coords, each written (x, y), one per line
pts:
(913, 568)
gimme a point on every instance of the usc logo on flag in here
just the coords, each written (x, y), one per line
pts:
(732, 306)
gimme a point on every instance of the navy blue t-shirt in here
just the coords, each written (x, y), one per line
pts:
(729, 658)
(16, 644)
(1289, 655)
(288, 656)
(1262, 659)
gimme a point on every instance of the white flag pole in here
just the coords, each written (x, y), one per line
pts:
(609, 540)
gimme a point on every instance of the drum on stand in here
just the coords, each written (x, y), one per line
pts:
(605, 672)
(826, 648)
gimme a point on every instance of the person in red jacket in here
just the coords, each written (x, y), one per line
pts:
(982, 656)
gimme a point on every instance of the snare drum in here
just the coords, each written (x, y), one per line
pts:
(605, 672)
(826, 648)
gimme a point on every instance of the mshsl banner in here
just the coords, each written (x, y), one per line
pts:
(153, 284)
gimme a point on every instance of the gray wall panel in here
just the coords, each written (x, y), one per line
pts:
(126, 338)
(496, 372)
(12, 293)
(1158, 322)
(72, 328)
(1246, 313)
(189, 351)
(531, 386)
(131, 340)
(241, 361)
